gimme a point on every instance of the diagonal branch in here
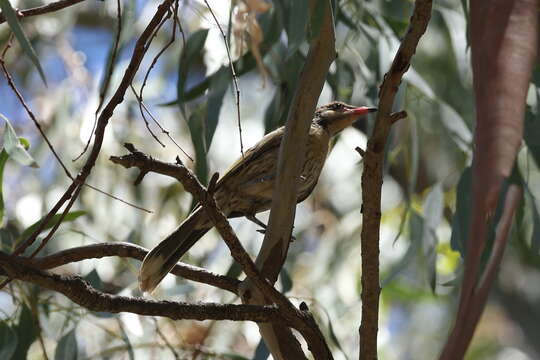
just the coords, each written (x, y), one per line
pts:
(118, 97)
(55, 6)
(372, 179)
(301, 320)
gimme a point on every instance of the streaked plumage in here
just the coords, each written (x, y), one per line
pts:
(246, 188)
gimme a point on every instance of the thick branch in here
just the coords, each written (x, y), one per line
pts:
(372, 179)
(128, 250)
(81, 293)
(55, 6)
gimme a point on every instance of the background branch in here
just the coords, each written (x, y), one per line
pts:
(55, 6)
(372, 179)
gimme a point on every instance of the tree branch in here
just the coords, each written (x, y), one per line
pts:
(81, 293)
(128, 250)
(372, 179)
(55, 6)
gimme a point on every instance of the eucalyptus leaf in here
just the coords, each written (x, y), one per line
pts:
(26, 332)
(462, 216)
(8, 341)
(15, 26)
(3, 159)
(67, 347)
(14, 146)
(261, 352)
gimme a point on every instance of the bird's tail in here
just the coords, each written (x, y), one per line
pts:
(162, 258)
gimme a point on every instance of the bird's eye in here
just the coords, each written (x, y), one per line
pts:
(337, 106)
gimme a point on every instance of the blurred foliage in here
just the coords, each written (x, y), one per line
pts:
(426, 193)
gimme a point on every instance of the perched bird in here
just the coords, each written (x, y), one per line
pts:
(246, 188)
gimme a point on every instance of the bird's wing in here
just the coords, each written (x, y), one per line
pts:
(270, 142)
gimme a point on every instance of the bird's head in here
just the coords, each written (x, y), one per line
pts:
(337, 115)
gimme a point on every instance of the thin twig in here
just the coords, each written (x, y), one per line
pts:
(55, 6)
(108, 76)
(117, 98)
(233, 72)
(372, 178)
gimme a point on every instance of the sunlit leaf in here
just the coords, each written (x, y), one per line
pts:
(15, 26)
(67, 347)
(14, 147)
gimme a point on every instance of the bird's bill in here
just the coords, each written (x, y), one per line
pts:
(348, 117)
(361, 110)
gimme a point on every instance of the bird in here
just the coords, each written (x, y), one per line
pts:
(247, 187)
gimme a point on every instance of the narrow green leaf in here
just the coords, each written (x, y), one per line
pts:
(433, 211)
(69, 217)
(218, 87)
(67, 347)
(26, 333)
(462, 215)
(297, 25)
(197, 129)
(261, 352)
(3, 159)
(193, 48)
(14, 147)
(8, 341)
(15, 26)
(94, 279)
(286, 281)
(316, 19)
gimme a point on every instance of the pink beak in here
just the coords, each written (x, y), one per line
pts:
(362, 110)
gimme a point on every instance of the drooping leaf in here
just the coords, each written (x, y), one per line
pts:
(193, 48)
(219, 84)
(8, 341)
(197, 126)
(67, 347)
(433, 211)
(15, 26)
(14, 146)
(69, 217)
(26, 332)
